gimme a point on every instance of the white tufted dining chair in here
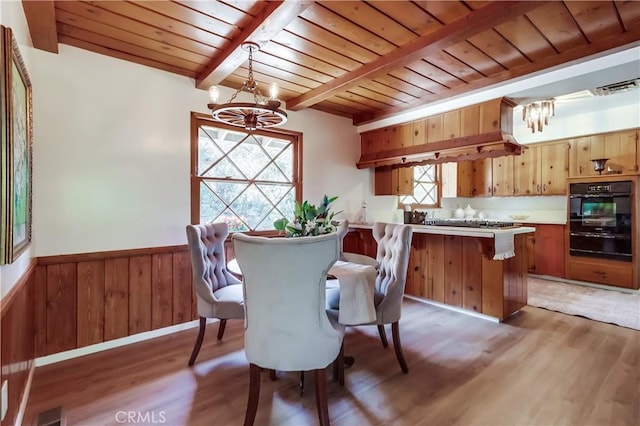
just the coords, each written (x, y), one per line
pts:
(342, 231)
(218, 293)
(286, 324)
(394, 247)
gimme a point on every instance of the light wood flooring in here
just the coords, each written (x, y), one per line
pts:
(537, 368)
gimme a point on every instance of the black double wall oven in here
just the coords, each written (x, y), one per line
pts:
(600, 220)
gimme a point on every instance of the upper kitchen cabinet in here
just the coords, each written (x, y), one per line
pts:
(482, 178)
(390, 181)
(542, 169)
(457, 179)
(620, 148)
(502, 175)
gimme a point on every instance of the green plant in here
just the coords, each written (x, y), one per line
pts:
(309, 220)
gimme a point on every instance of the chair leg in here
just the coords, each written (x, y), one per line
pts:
(199, 339)
(221, 327)
(254, 394)
(321, 396)
(340, 363)
(383, 335)
(395, 331)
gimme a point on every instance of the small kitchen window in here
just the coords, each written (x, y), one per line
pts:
(426, 188)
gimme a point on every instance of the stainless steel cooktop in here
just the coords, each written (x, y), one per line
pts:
(471, 223)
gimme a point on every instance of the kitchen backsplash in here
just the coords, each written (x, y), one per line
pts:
(547, 209)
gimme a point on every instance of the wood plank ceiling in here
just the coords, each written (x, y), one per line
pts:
(361, 59)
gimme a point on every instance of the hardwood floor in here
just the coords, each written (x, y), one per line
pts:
(537, 368)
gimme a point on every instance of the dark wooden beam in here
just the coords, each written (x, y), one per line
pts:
(270, 20)
(618, 42)
(41, 19)
(475, 22)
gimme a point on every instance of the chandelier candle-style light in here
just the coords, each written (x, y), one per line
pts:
(262, 113)
(537, 114)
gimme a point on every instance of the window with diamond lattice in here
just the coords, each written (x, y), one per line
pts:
(425, 187)
(247, 180)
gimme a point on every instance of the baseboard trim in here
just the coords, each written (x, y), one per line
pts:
(116, 343)
(25, 395)
(453, 308)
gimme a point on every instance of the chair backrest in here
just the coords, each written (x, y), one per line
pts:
(208, 261)
(284, 280)
(394, 247)
(342, 230)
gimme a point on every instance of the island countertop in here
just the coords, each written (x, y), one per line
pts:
(459, 230)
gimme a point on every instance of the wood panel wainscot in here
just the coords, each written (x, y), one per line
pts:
(16, 342)
(89, 298)
(459, 271)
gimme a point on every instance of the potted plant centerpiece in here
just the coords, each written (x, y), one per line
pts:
(309, 220)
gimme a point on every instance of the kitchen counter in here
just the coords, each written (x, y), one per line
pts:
(502, 246)
(481, 270)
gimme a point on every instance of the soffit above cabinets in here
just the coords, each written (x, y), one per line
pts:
(366, 60)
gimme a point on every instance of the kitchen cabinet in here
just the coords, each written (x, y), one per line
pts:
(482, 178)
(546, 251)
(621, 148)
(601, 271)
(542, 169)
(390, 181)
(502, 176)
(457, 179)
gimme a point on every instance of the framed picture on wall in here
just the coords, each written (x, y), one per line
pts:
(15, 151)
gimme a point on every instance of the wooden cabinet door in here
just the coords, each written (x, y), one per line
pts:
(404, 136)
(371, 142)
(502, 176)
(393, 181)
(482, 182)
(456, 179)
(580, 164)
(554, 168)
(531, 252)
(620, 148)
(549, 250)
(526, 172)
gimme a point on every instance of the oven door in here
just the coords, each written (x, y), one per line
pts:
(601, 245)
(593, 213)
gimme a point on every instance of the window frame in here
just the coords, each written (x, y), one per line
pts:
(438, 183)
(199, 119)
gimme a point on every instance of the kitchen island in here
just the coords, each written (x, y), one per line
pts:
(478, 270)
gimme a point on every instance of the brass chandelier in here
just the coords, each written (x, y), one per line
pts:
(262, 113)
(537, 114)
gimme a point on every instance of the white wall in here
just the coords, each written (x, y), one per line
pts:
(111, 153)
(12, 16)
(111, 158)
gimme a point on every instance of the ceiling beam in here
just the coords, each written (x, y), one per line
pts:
(274, 16)
(41, 19)
(618, 41)
(475, 22)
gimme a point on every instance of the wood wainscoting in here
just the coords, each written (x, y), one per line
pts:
(91, 298)
(16, 341)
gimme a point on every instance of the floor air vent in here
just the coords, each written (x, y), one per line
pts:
(53, 417)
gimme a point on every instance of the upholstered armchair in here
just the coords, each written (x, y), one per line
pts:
(342, 230)
(394, 246)
(218, 293)
(286, 324)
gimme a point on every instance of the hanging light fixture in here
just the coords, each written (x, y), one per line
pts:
(537, 114)
(263, 112)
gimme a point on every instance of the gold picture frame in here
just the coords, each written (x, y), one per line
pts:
(15, 150)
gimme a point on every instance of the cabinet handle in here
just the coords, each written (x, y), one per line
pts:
(538, 187)
(544, 188)
(580, 170)
(600, 272)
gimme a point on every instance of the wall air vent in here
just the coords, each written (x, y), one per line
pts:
(621, 86)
